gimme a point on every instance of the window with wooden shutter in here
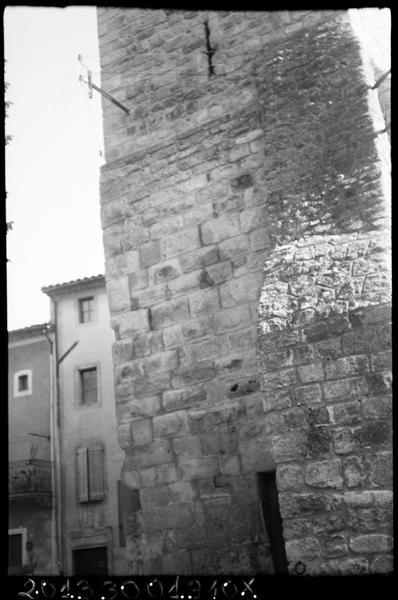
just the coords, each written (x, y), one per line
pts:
(90, 474)
(96, 473)
(82, 475)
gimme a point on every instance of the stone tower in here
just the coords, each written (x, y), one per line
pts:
(244, 203)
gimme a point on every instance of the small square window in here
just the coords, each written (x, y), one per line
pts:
(86, 309)
(22, 383)
(88, 386)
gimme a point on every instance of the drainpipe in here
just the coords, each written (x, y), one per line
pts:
(54, 504)
(58, 446)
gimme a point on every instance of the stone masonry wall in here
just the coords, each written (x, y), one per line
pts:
(263, 181)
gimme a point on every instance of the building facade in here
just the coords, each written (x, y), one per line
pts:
(30, 480)
(89, 530)
(245, 209)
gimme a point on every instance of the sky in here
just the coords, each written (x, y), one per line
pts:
(54, 157)
(53, 160)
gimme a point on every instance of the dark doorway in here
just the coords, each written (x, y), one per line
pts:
(90, 561)
(15, 551)
(272, 519)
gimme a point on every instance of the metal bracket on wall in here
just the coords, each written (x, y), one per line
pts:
(380, 80)
(92, 86)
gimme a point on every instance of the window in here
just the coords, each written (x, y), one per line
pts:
(86, 309)
(88, 385)
(23, 383)
(16, 550)
(90, 474)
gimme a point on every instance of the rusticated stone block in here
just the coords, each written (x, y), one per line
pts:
(319, 441)
(187, 446)
(324, 474)
(371, 543)
(219, 229)
(147, 343)
(382, 564)
(348, 413)
(377, 408)
(371, 519)
(295, 418)
(277, 399)
(329, 523)
(119, 295)
(171, 424)
(156, 453)
(347, 566)
(199, 468)
(233, 247)
(241, 290)
(289, 477)
(351, 365)
(199, 258)
(355, 471)
(141, 432)
(374, 434)
(149, 254)
(308, 394)
(203, 302)
(289, 446)
(220, 441)
(318, 416)
(130, 322)
(335, 545)
(383, 497)
(148, 386)
(169, 313)
(166, 474)
(310, 373)
(344, 441)
(306, 548)
(380, 469)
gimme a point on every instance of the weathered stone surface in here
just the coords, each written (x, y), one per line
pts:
(260, 189)
(324, 474)
(156, 453)
(241, 290)
(348, 566)
(344, 441)
(199, 468)
(382, 564)
(219, 229)
(169, 313)
(141, 432)
(171, 424)
(128, 323)
(306, 548)
(372, 542)
(203, 302)
(289, 476)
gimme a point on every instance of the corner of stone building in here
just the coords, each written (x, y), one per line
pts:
(246, 236)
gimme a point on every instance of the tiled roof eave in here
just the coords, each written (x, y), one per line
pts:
(76, 285)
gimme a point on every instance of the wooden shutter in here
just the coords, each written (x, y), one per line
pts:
(82, 475)
(96, 473)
